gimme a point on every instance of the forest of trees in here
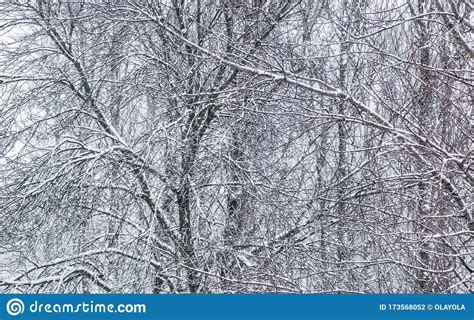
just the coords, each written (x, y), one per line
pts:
(236, 146)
